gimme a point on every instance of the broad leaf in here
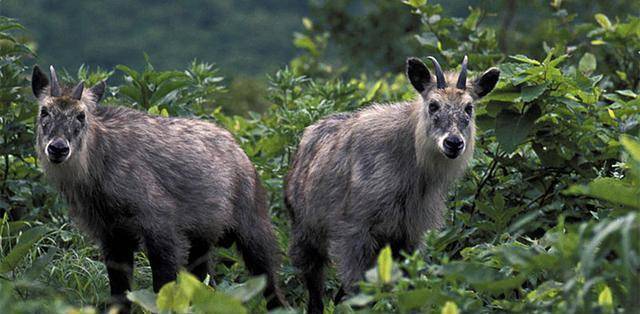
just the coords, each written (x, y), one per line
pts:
(512, 128)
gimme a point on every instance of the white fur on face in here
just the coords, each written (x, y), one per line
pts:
(46, 149)
(441, 139)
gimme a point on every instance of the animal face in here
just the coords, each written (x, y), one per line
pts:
(64, 116)
(449, 109)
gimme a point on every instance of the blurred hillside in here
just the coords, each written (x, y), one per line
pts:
(253, 37)
(249, 39)
(241, 36)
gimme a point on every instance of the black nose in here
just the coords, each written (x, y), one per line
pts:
(58, 148)
(454, 143)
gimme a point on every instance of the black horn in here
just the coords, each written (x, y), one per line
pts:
(55, 85)
(440, 82)
(462, 78)
(77, 91)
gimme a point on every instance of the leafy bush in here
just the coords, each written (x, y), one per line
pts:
(546, 220)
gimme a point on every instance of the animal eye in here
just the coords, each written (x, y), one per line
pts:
(81, 117)
(468, 109)
(44, 113)
(433, 107)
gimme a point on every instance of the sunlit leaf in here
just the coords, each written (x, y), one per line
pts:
(603, 20)
(252, 287)
(385, 265)
(605, 298)
(144, 298)
(587, 64)
(450, 308)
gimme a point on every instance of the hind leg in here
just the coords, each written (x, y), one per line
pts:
(198, 262)
(356, 253)
(259, 249)
(309, 254)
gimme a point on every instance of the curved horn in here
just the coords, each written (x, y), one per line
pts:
(77, 91)
(462, 78)
(440, 82)
(55, 85)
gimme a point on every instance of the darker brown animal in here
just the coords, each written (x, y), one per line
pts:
(172, 186)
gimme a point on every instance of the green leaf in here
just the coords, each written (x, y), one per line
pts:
(605, 298)
(603, 20)
(450, 308)
(512, 128)
(587, 64)
(128, 71)
(307, 23)
(415, 299)
(214, 302)
(482, 277)
(632, 146)
(167, 88)
(305, 42)
(385, 265)
(38, 267)
(22, 248)
(529, 93)
(172, 298)
(415, 3)
(144, 298)
(502, 96)
(609, 189)
(372, 93)
(249, 289)
(472, 20)
(177, 295)
(427, 39)
(360, 300)
(627, 92)
(525, 59)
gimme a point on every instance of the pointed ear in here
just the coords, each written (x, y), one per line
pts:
(486, 82)
(418, 74)
(98, 90)
(38, 81)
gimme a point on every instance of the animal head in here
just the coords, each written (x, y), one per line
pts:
(448, 104)
(64, 117)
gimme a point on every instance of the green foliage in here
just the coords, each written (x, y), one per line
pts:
(171, 92)
(188, 295)
(546, 220)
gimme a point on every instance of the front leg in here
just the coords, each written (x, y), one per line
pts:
(118, 257)
(163, 253)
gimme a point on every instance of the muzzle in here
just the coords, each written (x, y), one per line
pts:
(58, 150)
(453, 145)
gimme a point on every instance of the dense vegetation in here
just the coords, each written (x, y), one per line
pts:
(546, 220)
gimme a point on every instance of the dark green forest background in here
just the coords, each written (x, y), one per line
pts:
(250, 38)
(544, 221)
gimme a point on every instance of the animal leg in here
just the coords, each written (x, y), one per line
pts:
(198, 262)
(162, 250)
(118, 257)
(258, 246)
(309, 254)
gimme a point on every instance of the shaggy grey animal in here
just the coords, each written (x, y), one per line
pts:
(172, 186)
(379, 176)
